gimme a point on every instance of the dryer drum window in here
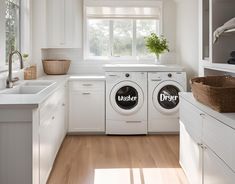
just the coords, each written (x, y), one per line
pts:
(127, 97)
(168, 97)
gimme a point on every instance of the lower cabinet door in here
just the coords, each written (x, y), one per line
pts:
(87, 111)
(190, 156)
(215, 170)
(47, 147)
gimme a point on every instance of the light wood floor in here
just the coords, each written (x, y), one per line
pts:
(118, 160)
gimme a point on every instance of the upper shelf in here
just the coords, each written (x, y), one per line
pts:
(221, 67)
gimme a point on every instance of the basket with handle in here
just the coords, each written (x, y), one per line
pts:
(217, 92)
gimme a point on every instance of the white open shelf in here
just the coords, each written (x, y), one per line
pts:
(220, 67)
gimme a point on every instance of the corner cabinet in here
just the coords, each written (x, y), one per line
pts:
(87, 106)
(64, 23)
(206, 143)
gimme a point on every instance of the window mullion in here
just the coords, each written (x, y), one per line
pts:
(134, 54)
(111, 37)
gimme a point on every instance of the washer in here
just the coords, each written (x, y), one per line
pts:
(126, 103)
(163, 101)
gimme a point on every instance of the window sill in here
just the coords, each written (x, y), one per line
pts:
(119, 60)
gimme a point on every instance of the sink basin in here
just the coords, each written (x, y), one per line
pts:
(24, 90)
(29, 87)
(38, 83)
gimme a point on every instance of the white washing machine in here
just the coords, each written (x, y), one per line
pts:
(126, 103)
(163, 101)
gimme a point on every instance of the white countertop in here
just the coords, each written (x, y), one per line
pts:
(34, 100)
(226, 118)
(86, 77)
(142, 68)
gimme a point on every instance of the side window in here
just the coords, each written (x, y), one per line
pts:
(12, 26)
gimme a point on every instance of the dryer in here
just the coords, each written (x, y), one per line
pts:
(163, 100)
(126, 103)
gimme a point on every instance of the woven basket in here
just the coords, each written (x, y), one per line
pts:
(217, 92)
(56, 67)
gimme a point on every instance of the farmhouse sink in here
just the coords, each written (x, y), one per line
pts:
(38, 83)
(29, 87)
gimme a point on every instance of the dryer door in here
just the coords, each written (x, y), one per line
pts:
(126, 97)
(166, 96)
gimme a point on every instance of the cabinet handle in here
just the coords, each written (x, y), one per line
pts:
(112, 75)
(86, 93)
(133, 121)
(87, 84)
(202, 114)
(53, 117)
(63, 104)
(156, 80)
(200, 144)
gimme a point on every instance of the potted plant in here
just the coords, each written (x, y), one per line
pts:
(157, 45)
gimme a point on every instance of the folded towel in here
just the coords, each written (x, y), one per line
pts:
(231, 61)
(232, 54)
(227, 26)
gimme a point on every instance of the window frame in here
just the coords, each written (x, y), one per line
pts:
(112, 59)
(25, 32)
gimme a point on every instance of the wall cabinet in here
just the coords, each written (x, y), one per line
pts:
(64, 23)
(87, 106)
(207, 154)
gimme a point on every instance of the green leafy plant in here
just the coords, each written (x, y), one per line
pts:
(156, 44)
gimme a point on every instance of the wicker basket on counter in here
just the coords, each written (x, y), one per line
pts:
(217, 92)
(56, 67)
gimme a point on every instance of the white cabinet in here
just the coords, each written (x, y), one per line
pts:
(190, 156)
(215, 170)
(87, 106)
(206, 144)
(190, 142)
(64, 23)
(52, 130)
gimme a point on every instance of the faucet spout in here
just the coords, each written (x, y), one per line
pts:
(10, 81)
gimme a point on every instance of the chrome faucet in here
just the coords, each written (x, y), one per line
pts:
(10, 81)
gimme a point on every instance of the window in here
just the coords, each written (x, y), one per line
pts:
(12, 26)
(118, 32)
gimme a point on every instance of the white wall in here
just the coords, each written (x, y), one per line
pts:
(180, 26)
(187, 36)
(78, 66)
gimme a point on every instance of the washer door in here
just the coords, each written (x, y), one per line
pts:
(126, 97)
(166, 96)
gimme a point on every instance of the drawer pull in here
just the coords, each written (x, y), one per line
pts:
(87, 84)
(133, 121)
(113, 75)
(86, 93)
(53, 117)
(156, 80)
(63, 104)
(201, 114)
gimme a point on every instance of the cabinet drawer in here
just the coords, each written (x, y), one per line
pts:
(221, 139)
(86, 85)
(192, 119)
(50, 105)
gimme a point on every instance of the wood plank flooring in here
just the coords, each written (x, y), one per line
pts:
(118, 160)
